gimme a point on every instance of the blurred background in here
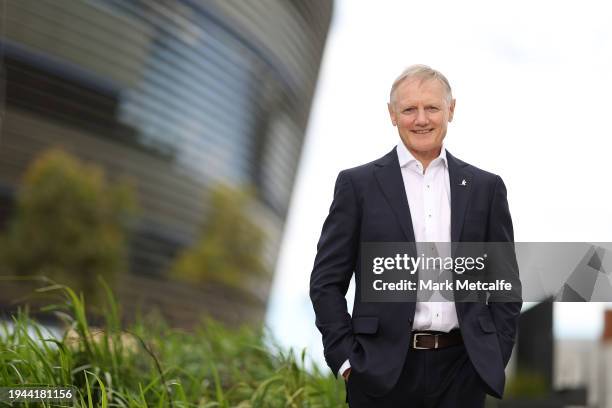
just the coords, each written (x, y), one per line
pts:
(186, 150)
(195, 111)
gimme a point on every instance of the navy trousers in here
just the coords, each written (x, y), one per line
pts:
(442, 378)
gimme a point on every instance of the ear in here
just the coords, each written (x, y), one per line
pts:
(392, 114)
(451, 110)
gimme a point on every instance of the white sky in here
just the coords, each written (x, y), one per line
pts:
(533, 85)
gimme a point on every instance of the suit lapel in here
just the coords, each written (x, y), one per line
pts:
(460, 188)
(389, 177)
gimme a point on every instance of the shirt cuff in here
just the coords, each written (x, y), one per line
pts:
(346, 365)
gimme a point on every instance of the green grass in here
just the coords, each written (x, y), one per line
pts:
(152, 365)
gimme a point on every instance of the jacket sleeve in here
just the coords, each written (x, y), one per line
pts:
(333, 267)
(505, 313)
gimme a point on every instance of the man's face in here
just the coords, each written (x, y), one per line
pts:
(421, 112)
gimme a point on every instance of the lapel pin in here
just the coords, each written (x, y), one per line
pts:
(463, 182)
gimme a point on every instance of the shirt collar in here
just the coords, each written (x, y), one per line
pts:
(405, 157)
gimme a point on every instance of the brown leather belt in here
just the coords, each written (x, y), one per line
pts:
(434, 340)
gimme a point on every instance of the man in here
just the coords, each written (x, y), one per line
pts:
(413, 354)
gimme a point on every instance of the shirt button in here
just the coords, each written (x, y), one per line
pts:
(428, 186)
(429, 215)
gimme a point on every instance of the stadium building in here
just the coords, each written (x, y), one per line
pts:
(178, 95)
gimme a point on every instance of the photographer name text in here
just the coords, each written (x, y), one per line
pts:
(406, 285)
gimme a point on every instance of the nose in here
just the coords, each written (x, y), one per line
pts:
(421, 118)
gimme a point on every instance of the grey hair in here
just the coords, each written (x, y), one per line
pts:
(422, 72)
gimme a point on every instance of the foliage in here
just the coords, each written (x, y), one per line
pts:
(527, 384)
(230, 244)
(69, 223)
(151, 365)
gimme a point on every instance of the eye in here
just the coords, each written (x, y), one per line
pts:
(409, 110)
(433, 108)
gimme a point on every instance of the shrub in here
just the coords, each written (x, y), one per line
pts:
(70, 223)
(229, 248)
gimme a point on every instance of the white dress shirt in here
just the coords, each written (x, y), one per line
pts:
(429, 200)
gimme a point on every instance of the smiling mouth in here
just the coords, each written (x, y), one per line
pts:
(422, 132)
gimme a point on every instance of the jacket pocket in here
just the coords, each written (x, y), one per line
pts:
(486, 324)
(365, 325)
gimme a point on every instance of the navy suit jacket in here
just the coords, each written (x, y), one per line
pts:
(370, 205)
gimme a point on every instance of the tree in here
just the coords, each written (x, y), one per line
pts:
(229, 249)
(70, 223)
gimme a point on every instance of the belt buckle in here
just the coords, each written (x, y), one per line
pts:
(414, 341)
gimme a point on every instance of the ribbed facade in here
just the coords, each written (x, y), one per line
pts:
(177, 95)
